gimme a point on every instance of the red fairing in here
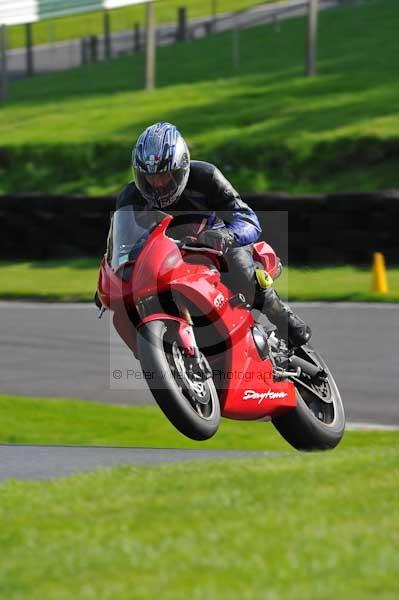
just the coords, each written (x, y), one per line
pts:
(247, 388)
(159, 263)
(250, 391)
(114, 292)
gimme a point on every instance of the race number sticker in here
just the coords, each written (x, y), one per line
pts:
(219, 300)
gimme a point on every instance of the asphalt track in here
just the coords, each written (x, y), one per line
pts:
(45, 462)
(64, 350)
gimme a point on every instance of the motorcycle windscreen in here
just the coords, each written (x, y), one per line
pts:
(128, 233)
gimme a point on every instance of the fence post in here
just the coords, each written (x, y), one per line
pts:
(29, 49)
(93, 44)
(136, 38)
(208, 27)
(107, 35)
(236, 47)
(3, 64)
(150, 48)
(214, 13)
(182, 24)
(311, 51)
(83, 51)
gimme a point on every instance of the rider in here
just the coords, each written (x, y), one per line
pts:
(166, 179)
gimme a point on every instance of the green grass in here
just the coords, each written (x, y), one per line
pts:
(26, 420)
(290, 527)
(76, 280)
(335, 284)
(65, 28)
(66, 421)
(265, 125)
(66, 281)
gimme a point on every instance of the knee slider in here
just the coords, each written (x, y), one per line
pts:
(263, 278)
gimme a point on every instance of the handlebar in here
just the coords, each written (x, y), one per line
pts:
(200, 248)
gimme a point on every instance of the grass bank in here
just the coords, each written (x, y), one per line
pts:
(297, 526)
(265, 125)
(76, 280)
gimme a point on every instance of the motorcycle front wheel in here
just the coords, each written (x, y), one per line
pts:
(190, 402)
(318, 421)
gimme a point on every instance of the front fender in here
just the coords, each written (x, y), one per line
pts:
(184, 330)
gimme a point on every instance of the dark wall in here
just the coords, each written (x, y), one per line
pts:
(332, 228)
(324, 229)
(45, 227)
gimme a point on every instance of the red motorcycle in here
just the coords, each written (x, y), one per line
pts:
(202, 351)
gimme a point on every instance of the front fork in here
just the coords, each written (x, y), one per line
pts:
(197, 362)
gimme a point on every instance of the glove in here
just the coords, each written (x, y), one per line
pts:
(218, 239)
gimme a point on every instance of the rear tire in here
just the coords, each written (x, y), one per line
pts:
(162, 362)
(314, 424)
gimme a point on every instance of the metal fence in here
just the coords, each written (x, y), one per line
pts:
(70, 54)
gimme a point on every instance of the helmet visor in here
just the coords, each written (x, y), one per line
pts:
(160, 187)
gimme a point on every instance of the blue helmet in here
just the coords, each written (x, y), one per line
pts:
(161, 164)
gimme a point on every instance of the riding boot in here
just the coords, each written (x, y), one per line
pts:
(290, 327)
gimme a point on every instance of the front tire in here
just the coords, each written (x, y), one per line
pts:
(192, 406)
(318, 421)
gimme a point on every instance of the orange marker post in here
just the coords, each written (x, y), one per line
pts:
(379, 280)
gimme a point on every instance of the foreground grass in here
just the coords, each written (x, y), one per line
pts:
(66, 421)
(265, 125)
(25, 420)
(291, 527)
(76, 280)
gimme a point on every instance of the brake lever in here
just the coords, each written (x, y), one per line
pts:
(101, 311)
(179, 243)
(190, 243)
(208, 249)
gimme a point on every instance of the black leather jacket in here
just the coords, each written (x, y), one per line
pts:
(208, 201)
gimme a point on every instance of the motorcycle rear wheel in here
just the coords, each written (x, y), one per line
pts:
(318, 421)
(191, 405)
